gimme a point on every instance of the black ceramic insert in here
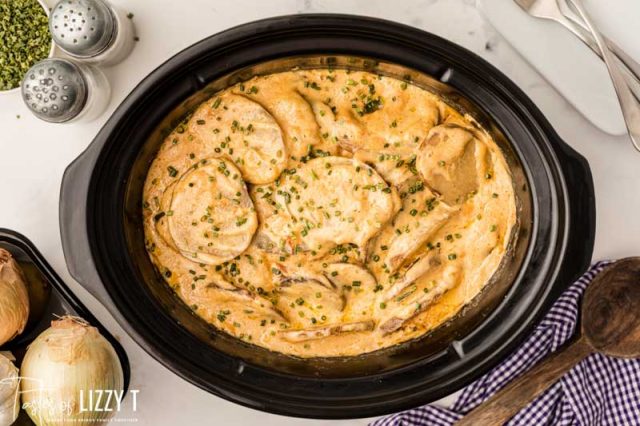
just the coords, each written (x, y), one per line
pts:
(100, 218)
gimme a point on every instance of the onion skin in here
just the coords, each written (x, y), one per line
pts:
(9, 385)
(62, 367)
(14, 298)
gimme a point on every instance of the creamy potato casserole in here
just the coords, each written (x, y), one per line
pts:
(327, 212)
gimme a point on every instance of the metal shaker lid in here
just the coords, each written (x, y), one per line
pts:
(82, 28)
(55, 90)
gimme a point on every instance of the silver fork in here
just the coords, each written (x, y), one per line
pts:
(622, 56)
(629, 104)
(553, 10)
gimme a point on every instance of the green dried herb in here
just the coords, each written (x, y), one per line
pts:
(24, 39)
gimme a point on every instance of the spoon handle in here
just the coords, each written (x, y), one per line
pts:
(516, 395)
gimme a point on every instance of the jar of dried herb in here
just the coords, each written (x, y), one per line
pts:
(24, 39)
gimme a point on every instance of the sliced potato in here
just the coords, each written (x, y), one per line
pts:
(292, 111)
(417, 298)
(341, 127)
(359, 288)
(318, 293)
(452, 160)
(393, 167)
(329, 201)
(303, 335)
(208, 215)
(422, 215)
(419, 266)
(232, 308)
(244, 132)
(306, 302)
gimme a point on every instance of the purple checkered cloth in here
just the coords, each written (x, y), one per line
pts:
(598, 391)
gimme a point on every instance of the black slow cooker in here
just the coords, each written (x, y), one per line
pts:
(103, 240)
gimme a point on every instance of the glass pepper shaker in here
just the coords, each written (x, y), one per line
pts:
(91, 31)
(61, 91)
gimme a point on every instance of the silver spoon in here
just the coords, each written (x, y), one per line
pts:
(558, 11)
(630, 66)
(629, 104)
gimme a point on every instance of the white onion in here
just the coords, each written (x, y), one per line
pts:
(64, 366)
(9, 398)
(14, 298)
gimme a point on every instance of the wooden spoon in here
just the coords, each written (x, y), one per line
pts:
(610, 326)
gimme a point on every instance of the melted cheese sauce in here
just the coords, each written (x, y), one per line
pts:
(327, 213)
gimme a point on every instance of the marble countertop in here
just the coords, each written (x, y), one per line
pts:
(34, 154)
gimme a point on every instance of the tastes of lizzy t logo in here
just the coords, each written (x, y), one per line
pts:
(54, 406)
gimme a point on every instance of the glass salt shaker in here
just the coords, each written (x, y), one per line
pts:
(61, 91)
(91, 31)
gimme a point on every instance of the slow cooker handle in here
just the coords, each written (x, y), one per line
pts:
(582, 205)
(73, 224)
